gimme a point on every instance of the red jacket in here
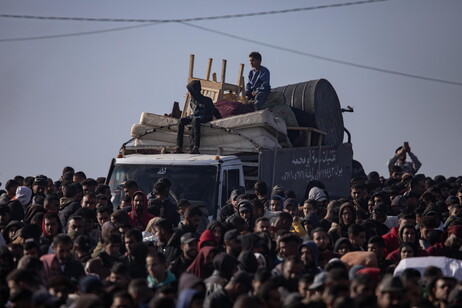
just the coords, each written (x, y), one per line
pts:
(391, 240)
(140, 222)
(438, 250)
(395, 257)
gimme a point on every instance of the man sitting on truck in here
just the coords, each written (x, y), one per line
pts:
(258, 88)
(203, 111)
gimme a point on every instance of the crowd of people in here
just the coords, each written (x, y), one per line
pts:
(64, 244)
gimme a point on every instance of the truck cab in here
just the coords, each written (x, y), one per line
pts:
(202, 179)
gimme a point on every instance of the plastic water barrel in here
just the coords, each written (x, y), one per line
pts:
(320, 105)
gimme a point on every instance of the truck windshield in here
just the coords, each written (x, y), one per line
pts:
(197, 184)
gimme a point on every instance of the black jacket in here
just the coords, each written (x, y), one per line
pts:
(202, 106)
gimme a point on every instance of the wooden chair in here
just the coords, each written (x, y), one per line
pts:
(216, 90)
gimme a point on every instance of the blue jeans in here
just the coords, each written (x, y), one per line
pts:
(260, 99)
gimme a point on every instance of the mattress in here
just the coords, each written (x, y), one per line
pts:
(247, 132)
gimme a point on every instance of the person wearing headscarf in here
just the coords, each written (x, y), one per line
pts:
(139, 216)
(23, 195)
(148, 233)
(224, 267)
(261, 260)
(218, 229)
(317, 194)
(207, 238)
(202, 266)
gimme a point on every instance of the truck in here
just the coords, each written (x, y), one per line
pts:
(240, 149)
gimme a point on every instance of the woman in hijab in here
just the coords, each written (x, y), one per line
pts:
(207, 238)
(202, 266)
(218, 230)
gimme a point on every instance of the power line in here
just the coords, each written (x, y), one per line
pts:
(184, 22)
(75, 34)
(192, 18)
(325, 58)
(154, 21)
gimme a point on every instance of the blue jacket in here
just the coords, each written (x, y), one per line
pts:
(259, 81)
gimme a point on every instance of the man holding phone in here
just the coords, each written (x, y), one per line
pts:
(400, 160)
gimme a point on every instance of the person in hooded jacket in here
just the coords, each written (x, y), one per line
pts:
(346, 217)
(190, 298)
(23, 195)
(309, 255)
(407, 234)
(139, 216)
(207, 238)
(342, 246)
(202, 266)
(244, 210)
(203, 111)
(218, 229)
(225, 266)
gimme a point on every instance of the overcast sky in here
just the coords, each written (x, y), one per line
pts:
(72, 100)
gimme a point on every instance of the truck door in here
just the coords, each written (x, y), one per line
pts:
(230, 180)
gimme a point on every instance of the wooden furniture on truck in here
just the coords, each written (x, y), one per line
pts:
(216, 90)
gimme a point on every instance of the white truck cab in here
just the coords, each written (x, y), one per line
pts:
(202, 179)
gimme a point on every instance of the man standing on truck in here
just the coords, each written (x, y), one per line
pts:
(203, 111)
(258, 88)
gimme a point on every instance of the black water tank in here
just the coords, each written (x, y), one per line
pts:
(321, 106)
